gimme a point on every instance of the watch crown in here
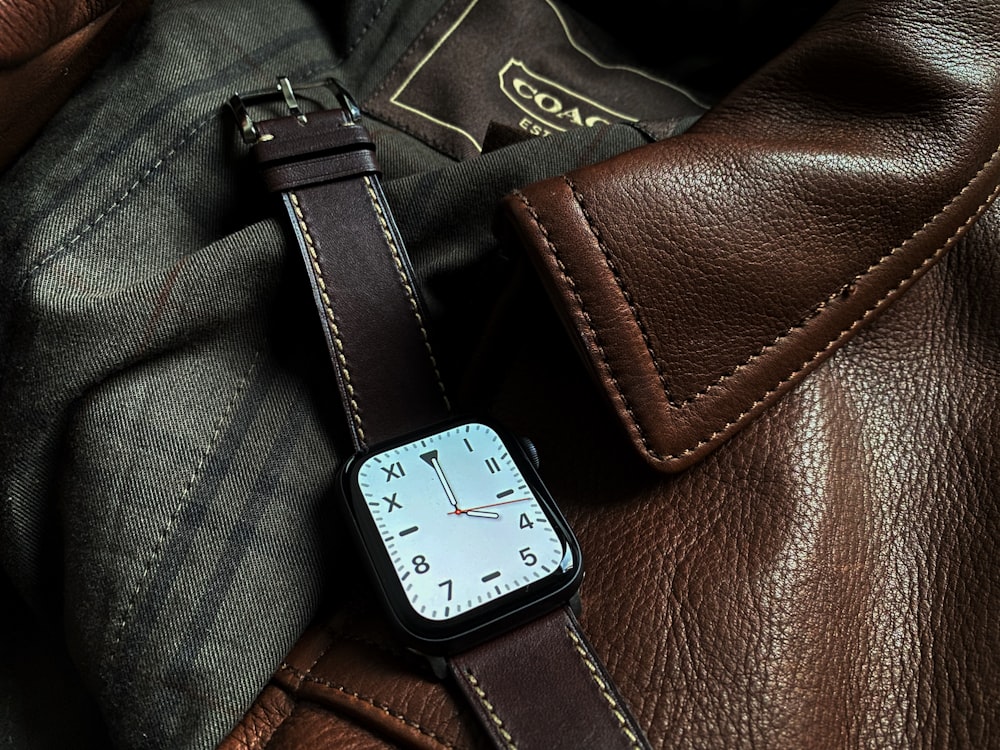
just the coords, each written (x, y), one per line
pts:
(530, 451)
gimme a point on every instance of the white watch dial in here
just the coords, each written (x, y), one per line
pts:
(458, 520)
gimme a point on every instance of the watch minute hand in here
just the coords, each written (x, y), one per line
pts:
(431, 457)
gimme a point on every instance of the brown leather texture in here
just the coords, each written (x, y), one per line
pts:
(826, 576)
(324, 166)
(47, 48)
(704, 276)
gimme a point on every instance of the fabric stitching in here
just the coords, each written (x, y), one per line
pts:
(604, 689)
(609, 261)
(331, 320)
(115, 205)
(120, 200)
(366, 29)
(158, 545)
(388, 112)
(816, 311)
(384, 708)
(411, 51)
(407, 287)
(505, 735)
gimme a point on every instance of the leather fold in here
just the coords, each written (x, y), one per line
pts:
(706, 275)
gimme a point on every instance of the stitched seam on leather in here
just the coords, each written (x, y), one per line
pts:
(604, 689)
(410, 294)
(857, 323)
(490, 710)
(313, 663)
(331, 321)
(387, 710)
(846, 288)
(610, 262)
(819, 308)
(590, 323)
(157, 549)
(797, 326)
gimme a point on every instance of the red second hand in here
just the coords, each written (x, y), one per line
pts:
(460, 511)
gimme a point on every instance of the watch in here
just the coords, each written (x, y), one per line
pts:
(476, 567)
(464, 540)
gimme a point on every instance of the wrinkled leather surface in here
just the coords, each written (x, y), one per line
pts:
(707, 274)
(826, 577)
(46, 50)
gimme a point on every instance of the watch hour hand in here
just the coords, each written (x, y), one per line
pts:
(477, 513)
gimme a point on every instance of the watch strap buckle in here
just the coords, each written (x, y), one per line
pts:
(283, 90)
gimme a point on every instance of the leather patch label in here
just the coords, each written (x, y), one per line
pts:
(522, 63)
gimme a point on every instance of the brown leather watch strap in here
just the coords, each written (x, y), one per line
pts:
(541, 686)
(324, 166)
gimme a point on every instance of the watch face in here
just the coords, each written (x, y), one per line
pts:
(460, 531)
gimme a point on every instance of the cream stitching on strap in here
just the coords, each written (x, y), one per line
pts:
(605, 690)
(331, 321)
(490, 711)
(404, 279)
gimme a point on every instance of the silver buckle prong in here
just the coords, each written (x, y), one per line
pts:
(248, 128)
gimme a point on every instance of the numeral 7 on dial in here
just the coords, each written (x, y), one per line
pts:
(447, 585)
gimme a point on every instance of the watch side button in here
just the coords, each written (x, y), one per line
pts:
(438, 665)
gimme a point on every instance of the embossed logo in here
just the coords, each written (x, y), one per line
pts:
(550, 105)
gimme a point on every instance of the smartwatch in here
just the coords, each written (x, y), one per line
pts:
(462, 537)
